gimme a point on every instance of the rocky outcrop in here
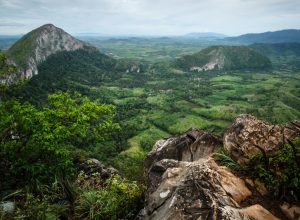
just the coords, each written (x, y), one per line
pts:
(196, 190)
(36, 46)
(291, 211)
(190, 146)
(94, 174)
(248, 136)
(185, 182)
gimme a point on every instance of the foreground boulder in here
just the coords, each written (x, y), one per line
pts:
(291, 211)
(199, 190)
(248, 136)
(185, 182)
(94, 174)
(190, 146)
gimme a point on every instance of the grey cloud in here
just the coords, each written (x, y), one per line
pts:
(12, 24)
(157, 17)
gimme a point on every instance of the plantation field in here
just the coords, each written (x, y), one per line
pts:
(145, 49)
(172, 104)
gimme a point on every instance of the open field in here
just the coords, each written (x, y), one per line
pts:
(147, 49)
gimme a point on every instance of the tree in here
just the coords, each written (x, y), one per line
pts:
(5, 67)
(5, 70)
(38, 144)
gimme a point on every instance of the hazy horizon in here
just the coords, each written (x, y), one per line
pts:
(150, 17)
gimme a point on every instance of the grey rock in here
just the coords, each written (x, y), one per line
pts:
(7, 207)
(197, 190)
(249, 136)
(185, 182)
(189, 146)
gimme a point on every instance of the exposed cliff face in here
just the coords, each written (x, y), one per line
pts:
(185, 182)
(36, 46)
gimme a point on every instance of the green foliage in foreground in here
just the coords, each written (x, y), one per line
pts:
(120, 199)
(38, 144)
(48, 202)
(280, 172)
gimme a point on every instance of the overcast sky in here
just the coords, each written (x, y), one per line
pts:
(150, 17)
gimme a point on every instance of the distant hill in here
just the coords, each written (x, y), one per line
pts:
(34, 48)
(6, 41)
(291, 35)
(278, 49)
(224, 58)
(285, 55)
(205, 35)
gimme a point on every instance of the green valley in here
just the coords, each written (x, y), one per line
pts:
(161, 101)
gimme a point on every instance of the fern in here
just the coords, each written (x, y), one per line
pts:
(224, 159)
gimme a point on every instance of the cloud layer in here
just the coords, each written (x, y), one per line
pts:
(154, 17)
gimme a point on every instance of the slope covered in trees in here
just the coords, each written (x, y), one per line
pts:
(282, 55)
(224, 58)
(41, 150)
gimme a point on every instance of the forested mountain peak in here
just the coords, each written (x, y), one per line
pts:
(222, 57)
(34, 48)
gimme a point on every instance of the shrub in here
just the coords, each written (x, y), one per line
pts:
(41, 207)
(280, 172)
(225, 160)
(48, 202)
(5, 67)
(37, 144)
(120, 199)
(88, 205)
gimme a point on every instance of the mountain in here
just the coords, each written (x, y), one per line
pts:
(290, 35)
(205, 35)
(224, 58)
(283, 55)
(36, 46)
(54, 60)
